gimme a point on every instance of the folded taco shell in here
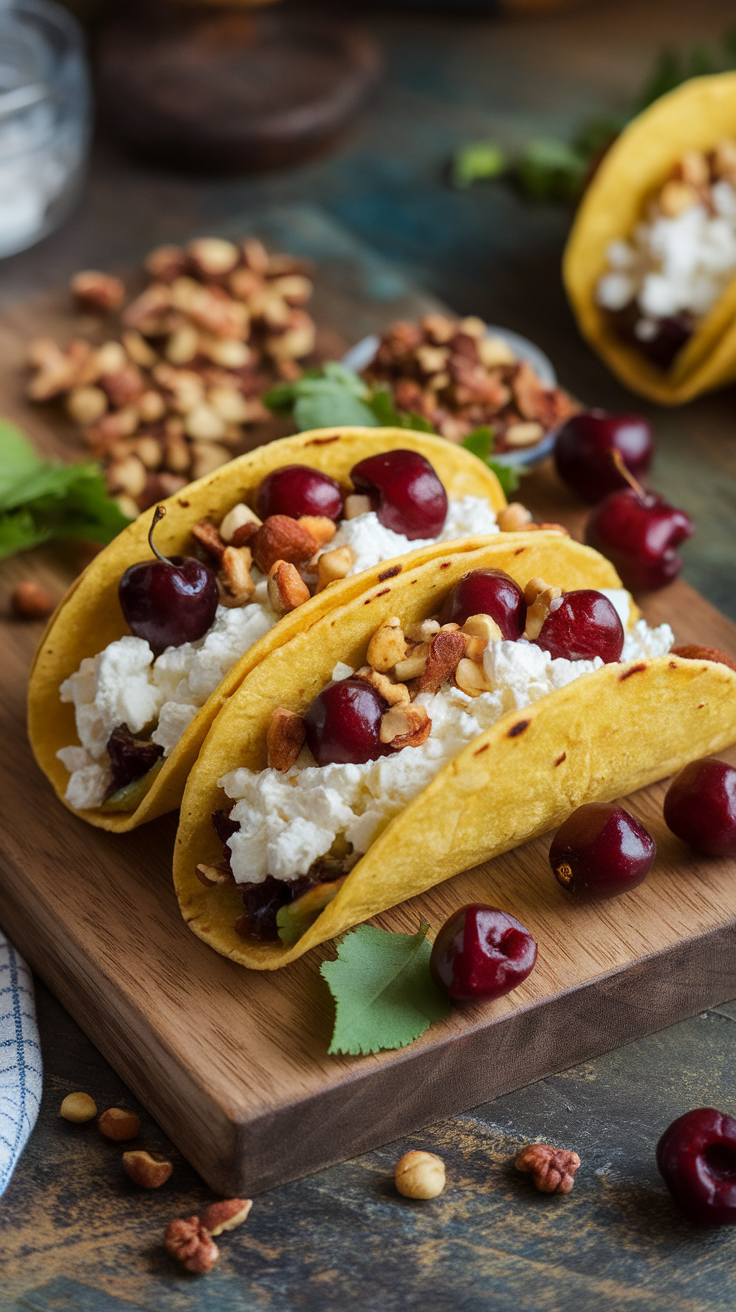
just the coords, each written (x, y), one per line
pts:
(601, 737)
(89, 617)
(695, 116)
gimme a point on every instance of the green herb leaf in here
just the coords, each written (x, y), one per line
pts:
(480, 442)
(384, 994)
(477, 161)
(18, 460)
(507, 475)
(324, 398)
(551, 170)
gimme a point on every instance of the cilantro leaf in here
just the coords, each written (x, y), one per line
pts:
(476, 162)
(507, 475)
(324, 398)
(384, 994)
(551, 170)
(480, 442)
(40, 500)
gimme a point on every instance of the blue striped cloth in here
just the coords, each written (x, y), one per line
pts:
(20, 1059)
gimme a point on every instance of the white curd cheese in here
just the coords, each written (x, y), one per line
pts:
(125, 685)
(673, 265)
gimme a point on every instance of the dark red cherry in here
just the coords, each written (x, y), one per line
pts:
(696, 1157)
(344, 724)
(583, 448)
(481, 953)
(639, 532)
(601, 850)
(168, 601)
(487, 592)
(700, 806)
(404, 491)
(582, 625)
(297, 490)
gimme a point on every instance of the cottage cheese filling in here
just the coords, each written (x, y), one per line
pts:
(671, 266)
(124, 684)
(289, 820)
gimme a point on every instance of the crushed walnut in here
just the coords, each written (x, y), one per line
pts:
(452, 374)
(173, 395)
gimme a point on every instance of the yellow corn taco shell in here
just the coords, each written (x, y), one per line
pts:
(696, 116)
(606, 734)
(89, 617)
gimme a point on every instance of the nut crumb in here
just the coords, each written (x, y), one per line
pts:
(78, 1108)
(31, 602)
(552, 1169)
(149, 1170)
(420, 1175)
(225, 1215)
(187, 1240)
(115, 1123)
(284, 738)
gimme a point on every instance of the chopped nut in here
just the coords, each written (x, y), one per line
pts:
(422, 631)
(151, 406)
(482, 626)
(182, 345)
(166, 263)
(724, 160)
(405, 726)
(297, 341)
(526, 434)
(355, 505)
(235, 518)
(472, 326)
(432, 359)
(116, 424)
(333, 565)
(229, 404)
(285, 737)
(138, 349)
(494, 352)
(127, 476)
(439, 328)
(281, 538)
(445, 650)
(234, 583)
(207, 457)
(420, 1175)
(110, 358)
(188, 1242)
(57, 374)
(185, 387)
(693, 168)
(552, 1169)
(414, 665)
(97, 291)
(294, 287)
(513, 518)
(212, 257)
(244, 283)
(149, 1170)
(146, 309)
(208, 537)
(149, 451)
(203, 423)
(177, 454)
(286, 587)
(676, 197)
(470, 678)
(539, 597)
(118, 1124)
(394, 693)
(227, 352)
(78, 1108)
(388, 645)
(322, 529)
(255, 255)
(225, 1215)
(85, 405)
(44, 352)
(211, 876)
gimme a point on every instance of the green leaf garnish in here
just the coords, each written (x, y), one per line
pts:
(476, 162)
(384, 994)
(551, 170)
(41, 500)
(480, 442)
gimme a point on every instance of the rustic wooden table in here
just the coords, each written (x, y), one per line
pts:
(75, 1235)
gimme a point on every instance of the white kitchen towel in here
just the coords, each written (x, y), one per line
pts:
(20, 1059)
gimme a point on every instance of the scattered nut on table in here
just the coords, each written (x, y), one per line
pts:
(78, 1107)
(187, 1240)
(420, 1175)
(116, 1123)
(31, 602)
(552, 1169)
(225, 1214)
(149, 1170)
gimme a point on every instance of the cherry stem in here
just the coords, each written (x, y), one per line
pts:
(626, 473)
(158, 515)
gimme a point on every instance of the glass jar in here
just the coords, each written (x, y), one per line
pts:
(44, 119)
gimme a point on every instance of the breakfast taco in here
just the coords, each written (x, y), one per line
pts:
(448, 714)
(151, 639)
(650, 266)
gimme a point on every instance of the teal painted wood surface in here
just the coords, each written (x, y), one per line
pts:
(75, 1236)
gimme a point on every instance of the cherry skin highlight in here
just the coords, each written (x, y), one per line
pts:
(600, 851)
(700, 806)
(487, 592)
(297, 490)
(582, 625)
(168, 602)
(583, 450)
(481, 953)
(343, 724)
(404, 491)
(639, 532)
(696, 1157)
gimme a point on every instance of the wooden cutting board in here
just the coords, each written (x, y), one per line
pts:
(234, 1064)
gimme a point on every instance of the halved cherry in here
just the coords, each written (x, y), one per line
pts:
(404, 491)
(343, 724)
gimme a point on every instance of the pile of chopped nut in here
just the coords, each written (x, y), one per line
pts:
(171, 396)
(456, 377)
